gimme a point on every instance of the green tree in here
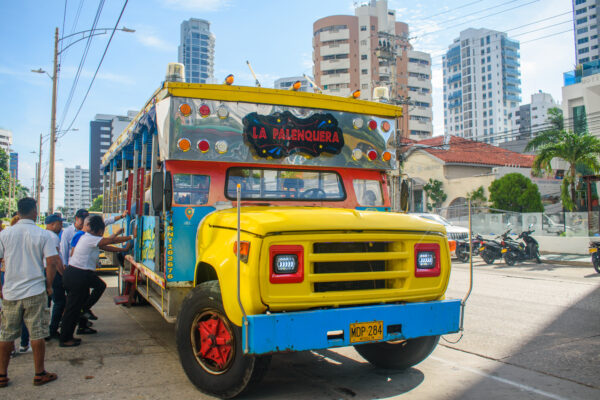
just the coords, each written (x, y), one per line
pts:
(515, 192)
(96, 204)
(435, 192)
(477, 197)
(578, 150)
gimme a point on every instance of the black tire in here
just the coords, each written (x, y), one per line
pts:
(462, 253)
(487, 258)
(509, 259)
(399, 354)
(239, 372)
(596, 262)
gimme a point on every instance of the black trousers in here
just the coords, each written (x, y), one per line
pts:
(77, 282)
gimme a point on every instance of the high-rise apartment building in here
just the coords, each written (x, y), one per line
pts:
(530, 119)
(13, 165)
(77, 189)
(287, 82)
(197, 50)
(585, 26)
(482, 85)
(581, 98)
(104, 129)
(5, 139)
(369, 50)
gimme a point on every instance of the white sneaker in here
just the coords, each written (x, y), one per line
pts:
(25, 349)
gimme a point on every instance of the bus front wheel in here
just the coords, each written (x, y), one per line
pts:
(400, 354)
(210, 346)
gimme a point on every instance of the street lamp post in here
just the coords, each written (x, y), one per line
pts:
(54, 77)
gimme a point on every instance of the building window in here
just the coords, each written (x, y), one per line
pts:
(364, 71)
(582, 20)
(578, 2)
(363, 42)
(363, 56)
(583, 50)
(582, 30)
(363, 28)
(580, 11)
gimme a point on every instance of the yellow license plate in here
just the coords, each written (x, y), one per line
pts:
(593, 250)
(503, 251)
(366, 331)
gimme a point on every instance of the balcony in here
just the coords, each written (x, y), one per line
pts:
(454, 78)
(332, 79)
(512, 81)
(334, 49)
(512, 97)
(339, 34)
(417, 82)
(415, 125)
(511, 63)
(419, 68)
(455, 95)
(335, 64)
(585, 69)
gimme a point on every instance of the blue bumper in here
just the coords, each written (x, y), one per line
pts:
(321, 329)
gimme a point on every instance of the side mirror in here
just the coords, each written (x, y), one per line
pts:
(404, 196)
(157, 192)
(168, 190)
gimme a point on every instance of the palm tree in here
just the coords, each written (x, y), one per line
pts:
(575, 149)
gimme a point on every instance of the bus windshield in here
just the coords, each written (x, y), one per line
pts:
(282, 184)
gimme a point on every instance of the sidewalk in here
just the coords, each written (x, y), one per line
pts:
(575, 260)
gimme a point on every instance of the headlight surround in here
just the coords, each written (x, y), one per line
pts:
(286, 264)
(427, 260)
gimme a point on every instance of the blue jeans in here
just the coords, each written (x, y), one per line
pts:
(59, 298)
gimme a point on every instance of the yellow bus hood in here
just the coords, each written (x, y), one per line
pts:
(264, 220)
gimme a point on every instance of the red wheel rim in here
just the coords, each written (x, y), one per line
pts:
(213, 341)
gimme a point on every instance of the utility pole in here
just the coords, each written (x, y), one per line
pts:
(38, 178)
(52, 128)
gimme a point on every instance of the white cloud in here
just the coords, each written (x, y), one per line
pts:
(155, 42)
(197, 5)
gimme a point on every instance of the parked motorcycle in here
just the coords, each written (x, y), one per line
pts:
(594, 250)
(462, 248)
(528, 249)
(491, 249)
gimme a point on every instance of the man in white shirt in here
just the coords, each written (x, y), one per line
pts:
(24, 247)
(54, 227)
(65, 252)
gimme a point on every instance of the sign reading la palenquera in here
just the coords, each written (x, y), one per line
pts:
(281, 134)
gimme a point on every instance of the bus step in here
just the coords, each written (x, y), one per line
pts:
(121, 299)
(129, 278)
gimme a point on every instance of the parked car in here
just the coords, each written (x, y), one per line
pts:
(454, 232)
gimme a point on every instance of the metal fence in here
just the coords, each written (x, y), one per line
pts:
(487, 221)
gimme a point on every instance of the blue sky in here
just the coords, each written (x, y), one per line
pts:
(274, 35)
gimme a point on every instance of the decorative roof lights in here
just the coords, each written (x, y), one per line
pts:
(357, 154)
(358, 123)
(203, 145)
(372, 155)
(222, 112)
(221, 147)
(204, 110)
(184, 144)
(185, 109)
(372, 125)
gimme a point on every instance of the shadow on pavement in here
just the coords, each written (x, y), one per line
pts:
(329, 374)
(567, 348)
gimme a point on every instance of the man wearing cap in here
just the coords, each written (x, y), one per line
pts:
(54, 224)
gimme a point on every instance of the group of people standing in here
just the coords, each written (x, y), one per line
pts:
(55, 263)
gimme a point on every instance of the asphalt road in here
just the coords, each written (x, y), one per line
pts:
(531, 332)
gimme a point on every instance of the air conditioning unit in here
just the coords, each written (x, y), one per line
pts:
(381, 93)
(175, 72)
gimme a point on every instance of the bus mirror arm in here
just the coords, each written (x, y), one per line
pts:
(157, 192)
(168, 191)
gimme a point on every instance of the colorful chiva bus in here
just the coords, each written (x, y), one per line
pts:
(263, 224)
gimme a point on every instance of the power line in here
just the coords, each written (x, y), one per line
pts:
(479, 11)
(97, 69)
(536, 22)
(452, 9)
(475, 19)
(81, 63)
(547, 36)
